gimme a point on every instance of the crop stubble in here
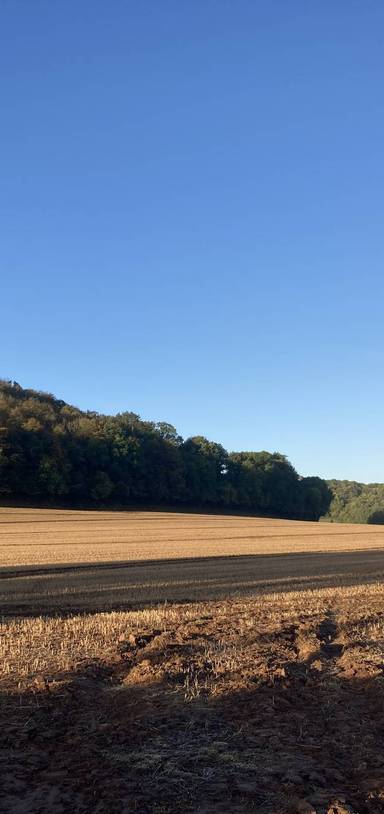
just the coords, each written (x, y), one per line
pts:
(264, 694)
(69, 561)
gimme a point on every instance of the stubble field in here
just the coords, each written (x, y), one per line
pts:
(156, 663)
(64, 561)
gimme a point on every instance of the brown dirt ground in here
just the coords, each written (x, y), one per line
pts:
(272, 704)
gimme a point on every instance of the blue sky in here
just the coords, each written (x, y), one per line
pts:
(191, 215)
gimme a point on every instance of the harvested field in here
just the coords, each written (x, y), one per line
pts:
(65, 561)
(273, 704)
(42, 537)
(265, 693)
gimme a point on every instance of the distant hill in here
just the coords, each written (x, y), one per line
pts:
(354, 502)
(52, 453)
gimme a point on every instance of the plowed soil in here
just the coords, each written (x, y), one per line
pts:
(272, 703)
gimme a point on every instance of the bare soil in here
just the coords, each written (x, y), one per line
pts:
(251, 679)
(274, 705)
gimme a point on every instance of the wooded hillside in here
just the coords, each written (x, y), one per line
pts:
(52, 452)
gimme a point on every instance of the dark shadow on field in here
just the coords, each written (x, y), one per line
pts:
(95, 587)
(124, 738)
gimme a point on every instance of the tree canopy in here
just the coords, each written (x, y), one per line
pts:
(53, 452)
(354, 502)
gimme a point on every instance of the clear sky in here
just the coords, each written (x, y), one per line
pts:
(191, 214)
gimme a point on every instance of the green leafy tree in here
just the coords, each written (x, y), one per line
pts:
(205, 470)
(102, 486)
(52, 451)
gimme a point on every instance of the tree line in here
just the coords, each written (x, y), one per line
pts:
(54, 453)
(354, 502)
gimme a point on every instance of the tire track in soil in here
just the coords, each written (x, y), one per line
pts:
(326, 633)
